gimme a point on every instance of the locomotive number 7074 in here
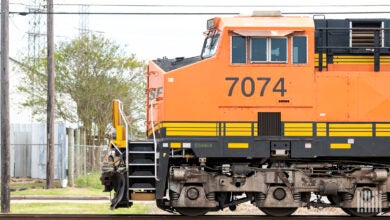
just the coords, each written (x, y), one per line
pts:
(248, 85)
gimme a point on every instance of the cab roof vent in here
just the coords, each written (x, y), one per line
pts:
(264, 14)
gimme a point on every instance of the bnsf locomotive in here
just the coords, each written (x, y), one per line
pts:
(275, 111)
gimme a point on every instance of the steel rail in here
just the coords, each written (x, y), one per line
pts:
(169, 217)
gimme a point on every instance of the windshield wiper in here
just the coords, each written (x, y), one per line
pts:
(211, 36)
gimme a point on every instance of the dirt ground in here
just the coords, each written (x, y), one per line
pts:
(249, 209)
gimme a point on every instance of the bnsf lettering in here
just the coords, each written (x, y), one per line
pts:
(248, 85)
(155, 93)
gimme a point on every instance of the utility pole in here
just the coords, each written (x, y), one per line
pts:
(5, 139)
(71, 160)
(50, 97)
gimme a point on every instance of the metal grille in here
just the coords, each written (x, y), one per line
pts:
(363, 34)
(269, 124)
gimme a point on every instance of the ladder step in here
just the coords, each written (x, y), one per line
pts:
(143, 161)
(141, 147)
(141, 164)
(142, 142)
(142, 174)
(141, 152)
(142, 189)
(133, 176)
(142, 186)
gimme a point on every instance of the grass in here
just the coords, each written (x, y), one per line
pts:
(38, 184)
(69, 191)
(91, 181)
(74, 208)
(84, 186)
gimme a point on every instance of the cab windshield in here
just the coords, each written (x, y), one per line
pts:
(210, 45)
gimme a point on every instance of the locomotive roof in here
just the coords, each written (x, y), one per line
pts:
(279, 22)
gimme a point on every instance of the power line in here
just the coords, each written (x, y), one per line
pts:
(218, 6)
(336, 13)
(127, 13)
(321, 6)
(189, 13)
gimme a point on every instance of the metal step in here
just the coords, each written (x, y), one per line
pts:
(141, 152)
(142, 174)
(141, 142)
(142, 161)
(141, 146)
(138, 177)
(142, 187)
(141, 164)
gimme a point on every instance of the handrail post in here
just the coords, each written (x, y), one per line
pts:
(126, 128)
(127, 144)
(156, 155)
(320, 52)
(376, 52)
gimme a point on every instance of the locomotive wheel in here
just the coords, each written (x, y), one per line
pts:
(192, 211)
(335, 200)
(355, 212)
(278, 212)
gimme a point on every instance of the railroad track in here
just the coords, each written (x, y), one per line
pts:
(171, 217)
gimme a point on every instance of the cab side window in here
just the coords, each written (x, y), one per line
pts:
(238, 49)
(278, 50)
(299, 49)
(258, 49)
(270, 50)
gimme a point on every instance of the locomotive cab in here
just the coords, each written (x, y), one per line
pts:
(246, 62)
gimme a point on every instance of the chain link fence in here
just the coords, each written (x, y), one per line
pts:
(87, 159)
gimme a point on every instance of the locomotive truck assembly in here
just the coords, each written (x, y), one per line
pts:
(274, 111)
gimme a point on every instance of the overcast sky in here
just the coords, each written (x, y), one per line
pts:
(156, 36)
(152, 36)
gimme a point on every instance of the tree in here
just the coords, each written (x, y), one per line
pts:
(91, 71)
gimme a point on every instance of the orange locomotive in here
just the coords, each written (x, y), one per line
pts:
(275, 109)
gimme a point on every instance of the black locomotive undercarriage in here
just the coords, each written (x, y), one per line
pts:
(278, 186)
